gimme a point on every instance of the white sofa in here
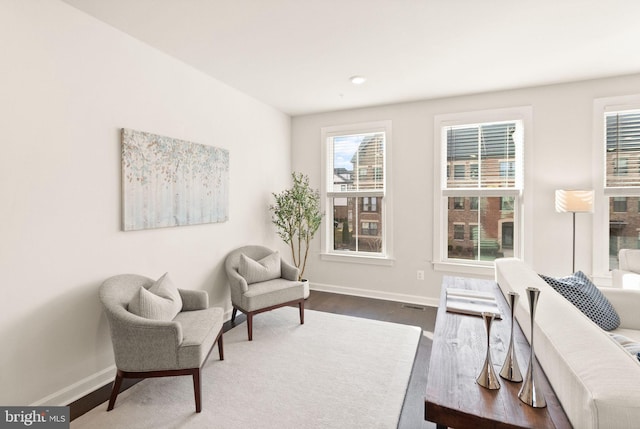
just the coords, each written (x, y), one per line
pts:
(596, 380)
(627, 276)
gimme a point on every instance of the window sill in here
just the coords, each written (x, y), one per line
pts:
(462, 268)
(358, 259)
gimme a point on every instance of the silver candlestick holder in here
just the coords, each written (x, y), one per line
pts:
(510, 369)
(487, 377)
(530, 393)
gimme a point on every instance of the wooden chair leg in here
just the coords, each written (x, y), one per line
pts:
(233, 314)
(220, 347)
(250, 326)
(197, 388)
(117, 383)
(301, 307)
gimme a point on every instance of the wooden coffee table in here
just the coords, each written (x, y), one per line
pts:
(454, 399)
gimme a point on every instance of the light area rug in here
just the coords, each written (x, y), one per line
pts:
(334, 371)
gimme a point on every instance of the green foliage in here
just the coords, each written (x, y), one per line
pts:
(296, 215)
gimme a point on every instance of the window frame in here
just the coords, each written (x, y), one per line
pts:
(384, 197)
(523, 237)
(602, 193)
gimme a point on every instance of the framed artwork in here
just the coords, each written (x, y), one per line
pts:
(170, 182)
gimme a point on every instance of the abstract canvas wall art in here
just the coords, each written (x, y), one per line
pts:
(170, 182)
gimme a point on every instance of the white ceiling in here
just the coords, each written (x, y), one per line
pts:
(298, 55)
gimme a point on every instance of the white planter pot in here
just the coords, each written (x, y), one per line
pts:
(305, 284)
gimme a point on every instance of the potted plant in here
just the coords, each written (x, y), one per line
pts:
(296, 215)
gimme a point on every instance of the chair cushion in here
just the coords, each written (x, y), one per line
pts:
(270, 293)
(200, 329)
(161, 302)
(267, 268)
(582, 293)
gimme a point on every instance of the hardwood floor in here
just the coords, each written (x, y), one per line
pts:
(412, 416)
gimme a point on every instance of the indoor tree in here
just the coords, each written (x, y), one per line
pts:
(296, 215)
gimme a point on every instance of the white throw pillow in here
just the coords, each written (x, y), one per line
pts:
(161, 302)
(267, 268)
(628, 344)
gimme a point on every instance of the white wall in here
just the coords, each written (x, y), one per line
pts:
(68, 84)
(562, 158)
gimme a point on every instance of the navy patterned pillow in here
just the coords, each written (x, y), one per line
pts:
(582, 293)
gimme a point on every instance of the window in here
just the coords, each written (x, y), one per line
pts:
(473, 171)
(370, 204)
(377, 171)
(619, 204)
(356, 205)
(620, 166)
(473, 230)
(619, 144)
(369, 228)
(473, 203)
(458, 231)
(507, 169)
(507, 204)
(491, 147)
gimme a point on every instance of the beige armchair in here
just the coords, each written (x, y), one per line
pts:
(174, 336)
(261, 281)
(627, 276)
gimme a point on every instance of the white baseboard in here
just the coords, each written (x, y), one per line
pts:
(376, 294)
(79, 389)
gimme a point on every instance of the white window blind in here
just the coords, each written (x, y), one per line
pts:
(482, 156)
(622, 130)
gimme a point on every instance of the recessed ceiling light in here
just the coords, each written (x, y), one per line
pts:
(358, 80)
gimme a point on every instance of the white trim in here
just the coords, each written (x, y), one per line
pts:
(484, 270)
(375, 294)
(69, 394)
(523, 237)
(601, 195)
(386, 206)
(357, 259)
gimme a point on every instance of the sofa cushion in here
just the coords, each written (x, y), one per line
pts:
(161, 302)
(267, 268)
(582, 293)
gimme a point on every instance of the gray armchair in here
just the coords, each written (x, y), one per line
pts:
(272, 285)
(146, 347)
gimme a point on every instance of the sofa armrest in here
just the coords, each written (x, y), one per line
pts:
(194, 299)
(626, 302)
(289, 272)
(625, 279)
